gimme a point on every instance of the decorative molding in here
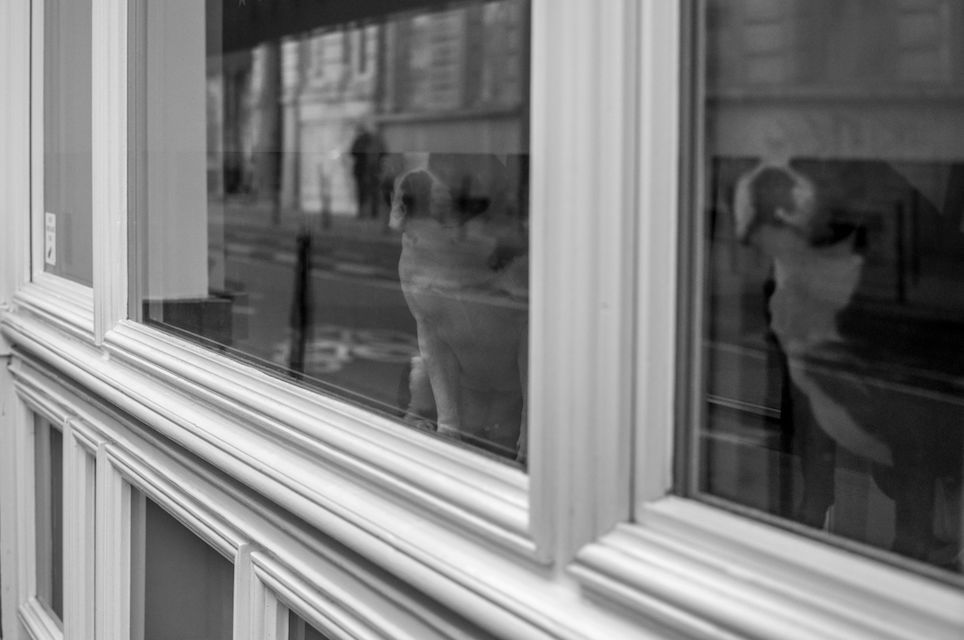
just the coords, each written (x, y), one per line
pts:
(87, 436)
(180, 500)
(485, 497)
(60, 303)
(44, 401)
(38, 622)
(483, 583)
(329, 605)
(711, 574)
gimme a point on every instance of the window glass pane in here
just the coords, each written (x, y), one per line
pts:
(832, 238)
(67, 195)
(48, 479)
(298, 629)
(187, 586)
(339, 193)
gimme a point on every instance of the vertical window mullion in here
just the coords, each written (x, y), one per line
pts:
(80, 528)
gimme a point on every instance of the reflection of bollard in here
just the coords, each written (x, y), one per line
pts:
(325, 199)
(300, 318)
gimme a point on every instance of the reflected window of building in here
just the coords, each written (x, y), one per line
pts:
(339, 195)
(49, 510)
(829, 234)
(181, 586)
(67, 180)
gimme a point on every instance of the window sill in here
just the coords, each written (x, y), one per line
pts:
(483, 583)
(283, 440)
(260, 412)
(715, 574)
(66, 305)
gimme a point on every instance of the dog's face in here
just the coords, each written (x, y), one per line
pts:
(452, 190)
(777, 202)
(419, 195)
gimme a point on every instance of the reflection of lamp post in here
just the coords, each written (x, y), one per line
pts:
(300, 319)
(325, 197)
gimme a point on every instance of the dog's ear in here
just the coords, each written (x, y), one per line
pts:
(412, 198)
(417, 194)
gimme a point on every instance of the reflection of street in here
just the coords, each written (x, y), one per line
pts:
(331, 348)
(362, 335)
(751, 457)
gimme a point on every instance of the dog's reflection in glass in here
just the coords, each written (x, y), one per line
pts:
(464, 274)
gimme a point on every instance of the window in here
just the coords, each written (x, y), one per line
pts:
(366, 239)
(64, 225)
(49, 505)
(828, 302)
(182, 587)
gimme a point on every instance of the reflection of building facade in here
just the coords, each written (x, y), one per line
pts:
(768, 55)
(426, 82)
(771, 43)
(849, 82)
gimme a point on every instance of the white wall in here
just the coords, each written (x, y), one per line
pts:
(176, 170)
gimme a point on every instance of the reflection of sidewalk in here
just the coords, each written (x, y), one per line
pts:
(264, 215)
(347, 245)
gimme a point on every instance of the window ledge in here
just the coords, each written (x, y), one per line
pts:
(715, 575)
(268, 432)
(463, 487)
(477, 581)
(67, 306)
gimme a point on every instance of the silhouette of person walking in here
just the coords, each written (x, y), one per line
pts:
(367, 151)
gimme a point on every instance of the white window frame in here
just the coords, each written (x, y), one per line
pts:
(693, 566)
(33, 403)
(37, 398)
(80, 529)
(480, 497)
(54, 297)
(124, 482)
(58, 300)
(316, 455)
(38, 611)
(15, 44)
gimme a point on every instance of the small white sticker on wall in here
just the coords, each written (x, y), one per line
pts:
(50, 238)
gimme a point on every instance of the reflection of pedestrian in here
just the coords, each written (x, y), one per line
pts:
(367, 150)
(770, 190)
(838, 352)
